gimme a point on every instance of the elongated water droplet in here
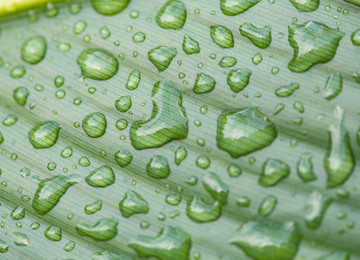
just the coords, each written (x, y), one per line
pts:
(172, 15)
(238, 79)
(222, 36)
(203, 83)
(17, 72)
(168, 120)
(133, 80)
(21, 95)
(158, 167)
(200, 211)
(171, 243)
(18, 213)
(273, 171)
(93, 207)
(95, 124)
(109, 7)
(44, 135)
(235, 7)
(333, 86)
(101, 177)
(317, 206)
(50, 191)
(33, 50)
(20, 239)
(4, 247)
(180, 155)
(260, 37)
(241, 132)
(105, 229)
(162, 56)
(97, 64)
(287, 90)
(227, 61)
(307, 50)
(133, 203)
(214, 185)
(339, 159)
(305, 168)
(268, 205)
(305, 5)
(123, 158)
(261, 239)
(190, 46)
(53, 233)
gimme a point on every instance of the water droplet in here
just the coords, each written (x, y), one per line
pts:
(203, 84)
(162, 56)
(287, 90)
(203, 161)
(101, 177)
(227, 61)
(268, 205)
(238, 79)
(337, 255)
(21, 95)
(257, 58)
(180, 155)
(305, 5)
(17, 72)
(59, 81)
(260, 239)
(109, 7)
(123, 104)
(79, 26)
(200, 211)
(168, 120)
(123, 158)
(121, 124)
(241, 132)
(260, 37)
(133, 80)
(139, 37)
(98, 64)
(235, 7)
(95, 124)
(133, 203)
(171, 243)
(93, 207)
(355, 37)
(173, 199)
(190, 46)
(20, 239)
(333, 86)
(66, 152)
(44, 135)
(214, 185)
(53, 233)
(50, 191)
(317, 206)
(172, 15)
(307, 51)
(339, 159)
(105, 229)
(305, 168)
(222, 36)
(18, 213)
(69, 246)
(33, 50)
(108, 255)
(158, 167)
(273, 171)
(243, 202)
(4, 247)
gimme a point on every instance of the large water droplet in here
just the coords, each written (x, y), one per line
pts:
(53, 233)
(171, 243)
(260, 37)
(97, 64)
(305, 168)
(240, 132)
(133, 80)
(265, 240)
(109, 7)
(104, 229)
(339, 159)
(305, 5)
(123, 158)
(33, 50)
(50, 191)
(235, 7)
(238, 79)
(95, 124)
(101, 177)
(268, 205)
(227, 61)
(222, 36)
(44, 135)
(158, 167)
(216, 187)
(317, 206)
(93, 207)
(168, 120)
(172, 15)
(21, 95)
(133, 203)
(200, 211)
(273, 171)
(190, 46)
(313, 43)
(162, 56)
